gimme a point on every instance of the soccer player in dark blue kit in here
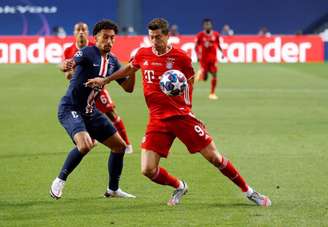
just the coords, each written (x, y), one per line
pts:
(78, 115)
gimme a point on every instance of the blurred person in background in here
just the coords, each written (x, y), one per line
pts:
(264, 31)
(226, 30)
(207, 43)
(59, 31)
(174, 30)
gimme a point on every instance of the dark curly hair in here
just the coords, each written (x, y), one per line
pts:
(104, 24)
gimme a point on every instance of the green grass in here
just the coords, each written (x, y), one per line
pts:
(271, 121)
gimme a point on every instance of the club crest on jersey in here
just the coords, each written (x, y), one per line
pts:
(145, 63)
(169, 63)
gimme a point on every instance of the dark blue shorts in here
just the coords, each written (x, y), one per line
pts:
(96, 124)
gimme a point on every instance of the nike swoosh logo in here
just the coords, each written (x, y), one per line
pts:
(95, 65)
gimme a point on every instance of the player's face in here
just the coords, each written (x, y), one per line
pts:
(105, 39)
(158, 39)
(81, 32)
(207, 26)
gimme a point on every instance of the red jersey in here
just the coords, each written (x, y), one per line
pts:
(70, 51)
(207, 45)
(153, 66)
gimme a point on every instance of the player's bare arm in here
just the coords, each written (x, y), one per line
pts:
(100, 82)
(69, 74)
(128, 85)
(67, 65)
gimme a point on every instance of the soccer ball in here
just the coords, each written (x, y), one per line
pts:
(173, 83)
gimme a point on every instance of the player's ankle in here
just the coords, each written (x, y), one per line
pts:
(249, 191)
(181, 185)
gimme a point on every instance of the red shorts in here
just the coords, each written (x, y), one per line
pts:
(104, 103)
(161, 133)
(209, 66)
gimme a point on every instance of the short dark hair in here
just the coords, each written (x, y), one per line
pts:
(205, 20)
(159, 23)
(104, 24)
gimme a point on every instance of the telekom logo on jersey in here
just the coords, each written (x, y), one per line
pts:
(236, 49)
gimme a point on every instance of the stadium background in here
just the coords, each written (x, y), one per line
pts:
(270, 119)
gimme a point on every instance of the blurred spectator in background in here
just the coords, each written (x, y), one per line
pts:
(128, 30)
(59, 31)
(226, 30)
(174, 30)
(264, 32)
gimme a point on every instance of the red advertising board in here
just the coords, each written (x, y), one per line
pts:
(236, 49)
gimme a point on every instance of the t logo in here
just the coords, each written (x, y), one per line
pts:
(149, 76)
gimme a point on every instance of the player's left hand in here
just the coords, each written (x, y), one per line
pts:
(96, 82)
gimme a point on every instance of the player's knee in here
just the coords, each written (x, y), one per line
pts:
(215, 160)
(84, 146)
(148, 171)
(119, 147)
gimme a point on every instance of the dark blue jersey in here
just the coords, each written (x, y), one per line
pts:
(89, 64)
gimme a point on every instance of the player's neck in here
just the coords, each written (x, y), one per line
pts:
(162, 51)
(81, 43)
(208, 31)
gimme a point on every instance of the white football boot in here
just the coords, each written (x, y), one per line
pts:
(129, 149)
(56, 189)
(118, 194)
(177, 194)
(259, 199)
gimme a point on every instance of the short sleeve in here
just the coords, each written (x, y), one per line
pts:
(136, 60)
(66, 54)
(187, 68)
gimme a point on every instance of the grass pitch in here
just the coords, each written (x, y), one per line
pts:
(271, 120)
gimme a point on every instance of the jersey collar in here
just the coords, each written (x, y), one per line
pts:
(168, 49)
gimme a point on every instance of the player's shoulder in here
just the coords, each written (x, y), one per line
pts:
(179, 52)
(199, 34)
(144, 50)
(70, 47)
(87, 51)
(113, 57)
(216, 33)
(90, 44)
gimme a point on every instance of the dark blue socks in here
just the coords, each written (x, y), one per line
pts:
(74, 157)
(115, 166)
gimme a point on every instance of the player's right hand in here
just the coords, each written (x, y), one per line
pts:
(96, 82)
(68, 65)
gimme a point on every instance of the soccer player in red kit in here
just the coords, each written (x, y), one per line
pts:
(207, 43)
(171, 116)
(104, 103)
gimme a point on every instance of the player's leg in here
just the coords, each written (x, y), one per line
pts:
(105, 104)
(213, 71)
(193, 134)
(226, 168)
(74, 125)
(102, 130)
(151, 169)
(156, 144)
(119, 125)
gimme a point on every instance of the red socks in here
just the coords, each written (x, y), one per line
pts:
(213, 85)
(228, 170)
(119, 125)
(163, 177)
